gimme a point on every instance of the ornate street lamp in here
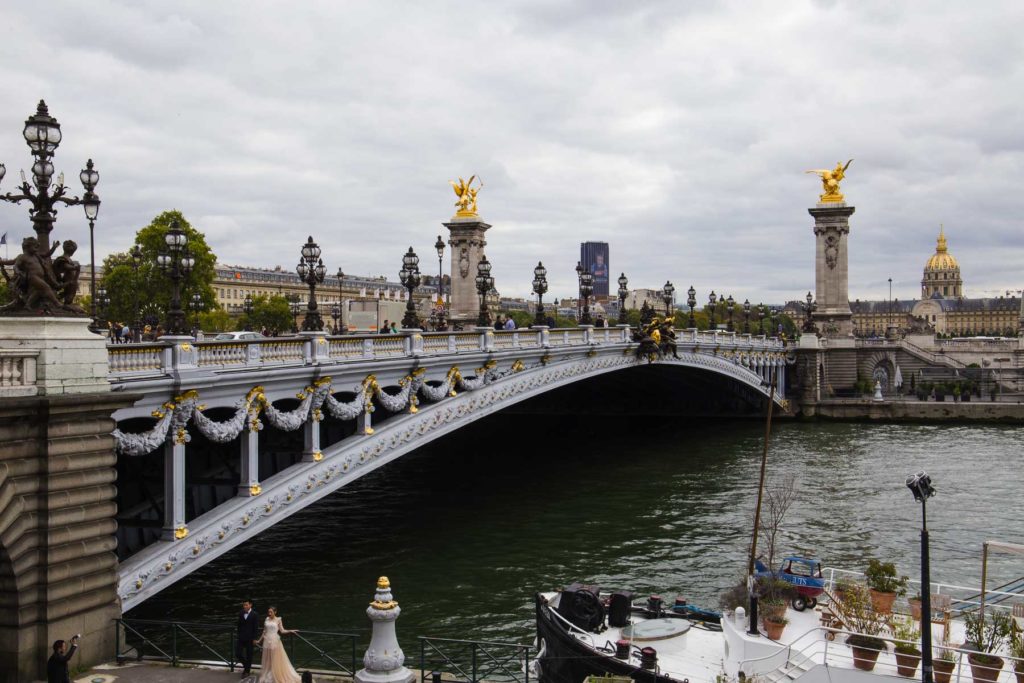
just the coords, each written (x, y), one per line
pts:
(42, 134)
(540, 285)
(311, 271)
(713, 300)
(410, 278)
(176, 261)
(668, 295)
(746, 316)
(691, 301)
(137, 258)
(296, 308)
(809, 322)
(484, 284)
(247, 308)
(102, 302)
(579, 290)
(773, 321)
(920, 485)
(623, 293)
(731, 303)
(335, 314)
(197, 306)
(439, 246)
(586, 290)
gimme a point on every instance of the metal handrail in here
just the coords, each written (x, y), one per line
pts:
(497, 670)
(940, 589)
(323, 654)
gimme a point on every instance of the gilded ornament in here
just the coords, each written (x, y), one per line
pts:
(255, 490)
(180, 533)
(245, 519)
(138, 583)
(168, 567)
(466, 193)
(830, 179)
(318, 456)
(195, 550)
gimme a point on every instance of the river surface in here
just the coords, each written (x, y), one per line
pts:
(470, 526)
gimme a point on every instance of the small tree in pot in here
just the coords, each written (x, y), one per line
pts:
(860, 618)
(1017, 651)
(908, 656)
(944, 663)
(986, 637)
(885, 586)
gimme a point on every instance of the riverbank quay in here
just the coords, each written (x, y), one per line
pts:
(151, 672)
(905, 410)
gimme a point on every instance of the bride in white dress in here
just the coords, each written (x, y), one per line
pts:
(275, 666)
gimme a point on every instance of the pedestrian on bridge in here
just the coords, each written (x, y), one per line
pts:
(57, 666)
(248, 633)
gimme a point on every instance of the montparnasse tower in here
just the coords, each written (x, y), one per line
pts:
(942, 273)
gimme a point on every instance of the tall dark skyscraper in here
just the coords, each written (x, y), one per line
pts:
(594, 255)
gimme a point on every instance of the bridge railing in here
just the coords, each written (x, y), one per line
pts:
(178, 642)
(473, 661)
(162, 359)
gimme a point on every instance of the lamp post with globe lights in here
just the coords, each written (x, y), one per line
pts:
(410, 278)
(439, 247)
(484, 284)
(43, 136)
(540, 285)
(136, 258)
(586, 291)
(102, 302)
(176, 261)
(247, 308)
(809, 320)
(691, 301)
(197, 307)
(311, 271)
(668, 295)
(746, 316)
(713, 301)
(296, 308)
(623, 293)
(335, 314)
(730, 305)
(579, 291)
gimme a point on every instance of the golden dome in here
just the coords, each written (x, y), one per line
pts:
(941, 259)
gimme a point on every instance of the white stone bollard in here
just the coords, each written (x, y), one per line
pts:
(384, 659)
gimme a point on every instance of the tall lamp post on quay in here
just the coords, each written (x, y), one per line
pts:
(311, 271)
(746, 316)
(731, 305)
(42, 135)
(409, 276)
(484, 284)
(713, 301)
(176, 261)
(586, 291)
(623, 293)
(668, 293)
(540, 285)
(920, 485)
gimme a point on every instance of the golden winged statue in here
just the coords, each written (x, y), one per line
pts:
(466, 194)
(830, 181)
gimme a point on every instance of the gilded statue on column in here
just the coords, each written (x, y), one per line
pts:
(830, 179)
(466, 194)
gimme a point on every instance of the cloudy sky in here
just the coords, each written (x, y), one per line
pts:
(677, 131)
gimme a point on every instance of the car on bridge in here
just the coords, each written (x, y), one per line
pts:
(234, 336)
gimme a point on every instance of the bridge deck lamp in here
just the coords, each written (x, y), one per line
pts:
(773, 316)
(177, 262)
(579, 289)
(920, 485)
(102, 301)
(439, 246)
(484, 284)
(335, 314)
(136, 259)
(586, 290)
(341, 277)
(540, 286)
(668, 296)
(409, 276)
(713, 301)
(197, 306)
(746, 316)
(623, 293)
(691, 301)
(311, 271)
(731, 304)
(247, 308)
(809, 322)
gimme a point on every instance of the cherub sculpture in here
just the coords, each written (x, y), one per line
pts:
(466, 195)
(33, 285)
(830, 179)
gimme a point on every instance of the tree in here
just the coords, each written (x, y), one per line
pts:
(778, 497)
(149, 288)
(272, 313)
(217, 320)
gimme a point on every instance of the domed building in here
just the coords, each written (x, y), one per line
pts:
(942, 273)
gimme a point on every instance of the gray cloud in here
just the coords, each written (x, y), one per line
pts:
(678, 132)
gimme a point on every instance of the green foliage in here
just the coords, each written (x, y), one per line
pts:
(906, 630)
(736, 596)
(5, 293)
(1017, 649)
(881, 576)
(217, 320)
(988, 635)
(521, 318)
(272, 313)
(859, 617)
(149, 287)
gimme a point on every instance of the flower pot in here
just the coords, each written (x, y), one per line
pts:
(770, 610)
(882, 602)
(1019, 673)
(774, 629)
(943, 670)
(906, 663)
(915, 608)
(864, 658)
(985, 668)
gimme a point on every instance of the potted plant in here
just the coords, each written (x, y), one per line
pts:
(864, 622)
(944, 663)
(841, 587)
(915, 606)
(905, 647)
(1017, 651)
(884, 584)
(986, 636)
(774, 626)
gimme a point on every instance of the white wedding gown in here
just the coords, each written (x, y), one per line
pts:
(275, 666)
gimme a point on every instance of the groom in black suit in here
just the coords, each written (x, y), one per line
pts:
(248, 632)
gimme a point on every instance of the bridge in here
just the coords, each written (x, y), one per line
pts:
(330, 410)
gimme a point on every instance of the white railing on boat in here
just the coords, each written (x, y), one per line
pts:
(962, 598)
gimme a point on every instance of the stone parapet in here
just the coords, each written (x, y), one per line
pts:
(66, 358)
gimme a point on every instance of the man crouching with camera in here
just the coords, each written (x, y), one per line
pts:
(57, 666)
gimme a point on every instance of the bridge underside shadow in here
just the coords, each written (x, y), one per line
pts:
(656, 389)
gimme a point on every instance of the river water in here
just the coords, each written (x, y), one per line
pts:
(470, 526)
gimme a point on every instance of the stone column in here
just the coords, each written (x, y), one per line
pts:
(174, 488)
(58, 568)
(466, 238)
(311, 438)
(831, 270)
(384, 660)
(249, 470)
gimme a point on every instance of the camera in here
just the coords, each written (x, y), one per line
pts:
(78, 636)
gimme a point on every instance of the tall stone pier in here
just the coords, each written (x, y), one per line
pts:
(833, 316)
(58, 567)
(466, 238)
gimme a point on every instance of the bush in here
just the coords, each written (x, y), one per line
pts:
(881, 576)
(988, 636)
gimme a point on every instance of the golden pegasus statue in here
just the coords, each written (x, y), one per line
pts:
(466, 196)
(830, 178)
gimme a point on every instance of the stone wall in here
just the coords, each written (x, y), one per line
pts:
(58, 569)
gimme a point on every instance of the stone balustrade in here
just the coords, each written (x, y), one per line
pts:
(18, 372)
